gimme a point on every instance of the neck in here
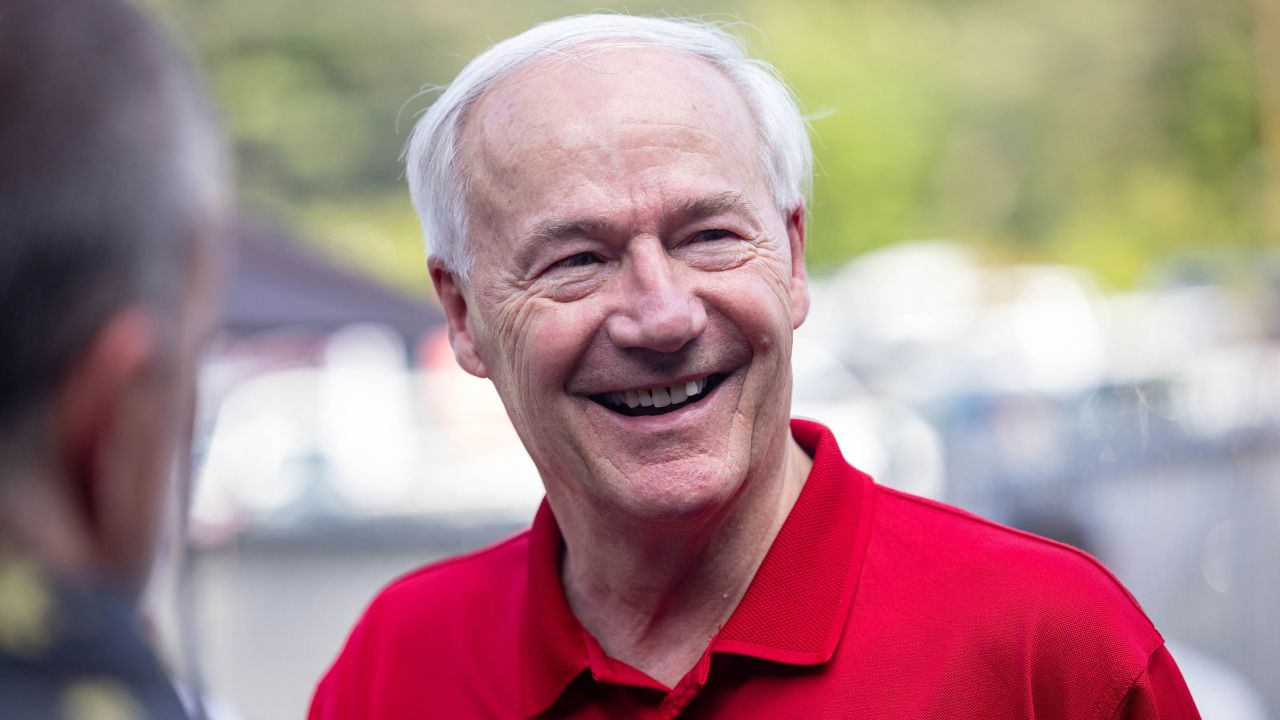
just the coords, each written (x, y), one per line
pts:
(654, 597)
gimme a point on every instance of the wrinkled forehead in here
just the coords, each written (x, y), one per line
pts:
(601, 113)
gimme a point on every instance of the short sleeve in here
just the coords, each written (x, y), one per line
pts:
(1159, 693)
(324, 704)
(340, 693)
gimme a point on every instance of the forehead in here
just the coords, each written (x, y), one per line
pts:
(607, 128)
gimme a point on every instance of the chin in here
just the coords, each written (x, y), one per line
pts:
(667, 493)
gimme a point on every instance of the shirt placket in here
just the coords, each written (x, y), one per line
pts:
(687, 689)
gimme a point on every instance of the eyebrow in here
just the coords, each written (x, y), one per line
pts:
(549, 231)
(698, 208)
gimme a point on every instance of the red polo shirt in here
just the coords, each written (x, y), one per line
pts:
(870, 604)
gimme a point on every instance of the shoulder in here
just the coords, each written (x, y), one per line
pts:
(86, 648)
(1013, 596)
(52, 692)
(444, 630)
(990, 616)
(480, 587)
(950, 540)
(457, 580)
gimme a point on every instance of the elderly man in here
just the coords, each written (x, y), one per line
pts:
(113, 192)
(617, 218)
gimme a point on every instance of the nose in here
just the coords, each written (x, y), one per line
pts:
(657, 309)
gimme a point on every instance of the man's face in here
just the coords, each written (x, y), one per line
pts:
(635, 287)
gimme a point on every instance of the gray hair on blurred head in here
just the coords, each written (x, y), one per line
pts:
(111, 166)
(438, 185)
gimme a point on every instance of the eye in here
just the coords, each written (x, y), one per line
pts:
(581, 259)
(716, 234)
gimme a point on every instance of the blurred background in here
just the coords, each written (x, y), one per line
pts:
(1044, 239)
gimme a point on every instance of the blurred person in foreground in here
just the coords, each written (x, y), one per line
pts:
(616, 212)
(113, 195)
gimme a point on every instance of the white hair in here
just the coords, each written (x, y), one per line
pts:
(438, 187)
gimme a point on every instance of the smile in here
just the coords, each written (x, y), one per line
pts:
(659, 400)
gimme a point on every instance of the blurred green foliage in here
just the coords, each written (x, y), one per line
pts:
(1108, 134)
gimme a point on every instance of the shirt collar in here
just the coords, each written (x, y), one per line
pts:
(555, 648)
(795, 608)
(793, 612)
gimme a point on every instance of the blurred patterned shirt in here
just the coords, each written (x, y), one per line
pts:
(75, 653)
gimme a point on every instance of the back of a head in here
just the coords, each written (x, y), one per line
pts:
(111, 165)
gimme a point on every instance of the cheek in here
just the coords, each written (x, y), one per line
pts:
(757, 300)
(540, 345)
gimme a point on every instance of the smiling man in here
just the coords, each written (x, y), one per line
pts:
(616, 213)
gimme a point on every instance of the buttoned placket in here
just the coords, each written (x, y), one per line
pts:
(687, 689)
(562, 649)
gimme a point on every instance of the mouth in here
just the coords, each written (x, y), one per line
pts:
(659, 400)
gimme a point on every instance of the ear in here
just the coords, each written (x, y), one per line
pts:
(799, 274)
(94, 387)
(454, 303)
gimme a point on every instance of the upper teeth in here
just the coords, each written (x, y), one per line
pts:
(659, 396)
